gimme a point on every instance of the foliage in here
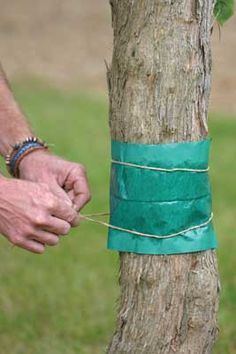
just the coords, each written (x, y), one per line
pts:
(223, 10)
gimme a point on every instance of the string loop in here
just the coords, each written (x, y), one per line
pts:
(177, 169)
(90, 218)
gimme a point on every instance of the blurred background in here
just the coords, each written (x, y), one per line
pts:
(53, 53)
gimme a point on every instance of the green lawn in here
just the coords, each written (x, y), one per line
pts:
(64, 302)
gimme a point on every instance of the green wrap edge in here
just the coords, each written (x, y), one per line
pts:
(127, 195)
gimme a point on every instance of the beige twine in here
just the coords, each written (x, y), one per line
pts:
(89, 217)
(181, 169)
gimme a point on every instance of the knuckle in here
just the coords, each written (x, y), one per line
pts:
(16, 240)
(39, 219)
(28, 232)
(50, 201)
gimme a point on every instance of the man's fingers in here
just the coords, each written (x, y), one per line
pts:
(57, 226)
(81, 192)
(76, 221)
(80, 201)
(60, 193)
(71, 194)
(67, 197)
(70, 215)
(47, 238)
(32, 246)
(64, 211)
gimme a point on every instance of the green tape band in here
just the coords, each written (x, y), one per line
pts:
(161, 202)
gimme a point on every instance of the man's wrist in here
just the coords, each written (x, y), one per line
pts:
(31, 160)
(21, 150)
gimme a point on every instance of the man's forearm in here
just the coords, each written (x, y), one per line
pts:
(13, 125)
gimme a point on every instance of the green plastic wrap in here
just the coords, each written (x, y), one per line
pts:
(161, 202)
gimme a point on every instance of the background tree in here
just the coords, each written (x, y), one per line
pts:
(159, 86)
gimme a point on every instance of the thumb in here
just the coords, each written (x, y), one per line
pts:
(61, 194)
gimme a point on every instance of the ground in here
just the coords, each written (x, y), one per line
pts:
(66, 42)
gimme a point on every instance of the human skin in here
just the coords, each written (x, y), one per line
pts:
(45, 202)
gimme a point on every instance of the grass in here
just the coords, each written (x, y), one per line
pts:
(64, 302)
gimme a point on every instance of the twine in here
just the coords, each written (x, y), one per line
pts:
(89, 217)
(180, 169)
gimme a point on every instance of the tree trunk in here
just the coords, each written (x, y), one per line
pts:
(159, 85)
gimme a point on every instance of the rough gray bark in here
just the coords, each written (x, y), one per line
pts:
(159, 85)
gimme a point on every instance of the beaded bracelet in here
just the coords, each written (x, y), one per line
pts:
(19, 151)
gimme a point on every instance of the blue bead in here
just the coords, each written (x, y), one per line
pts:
(28, 145)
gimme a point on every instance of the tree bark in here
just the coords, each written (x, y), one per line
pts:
(159, 86)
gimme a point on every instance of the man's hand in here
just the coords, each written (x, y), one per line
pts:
(65, 178)
(31, 215)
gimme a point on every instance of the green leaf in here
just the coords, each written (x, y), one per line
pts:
(223, 10)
